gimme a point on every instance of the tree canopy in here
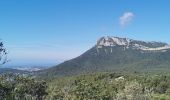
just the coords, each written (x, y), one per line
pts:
(3, 53)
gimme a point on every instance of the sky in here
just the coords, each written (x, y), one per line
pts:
(48, 32)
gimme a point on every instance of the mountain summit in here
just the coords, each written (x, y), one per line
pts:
(113, 41)
(117, 54)
(133, 44)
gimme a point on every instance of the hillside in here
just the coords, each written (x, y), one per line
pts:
(14, 71)
(112, 54)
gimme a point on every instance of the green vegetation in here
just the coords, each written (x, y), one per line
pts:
(119, 60)
(98, 86)
(19, 87)
(110, 86)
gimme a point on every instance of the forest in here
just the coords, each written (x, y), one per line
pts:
(95, 86)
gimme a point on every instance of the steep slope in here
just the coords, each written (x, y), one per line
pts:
(116, 54)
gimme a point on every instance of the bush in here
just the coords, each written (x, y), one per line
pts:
(17, 87)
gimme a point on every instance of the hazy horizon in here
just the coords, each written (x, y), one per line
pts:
(43, 32)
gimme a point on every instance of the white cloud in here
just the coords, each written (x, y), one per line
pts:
(126, 18)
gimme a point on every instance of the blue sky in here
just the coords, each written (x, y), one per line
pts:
(46, 32)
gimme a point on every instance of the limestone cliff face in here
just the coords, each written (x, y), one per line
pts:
(109, 41)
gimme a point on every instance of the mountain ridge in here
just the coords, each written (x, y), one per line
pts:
(116, 54)
(126, 42)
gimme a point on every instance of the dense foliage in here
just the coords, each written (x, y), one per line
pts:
(110, 86)
(20, 87)
(3, 53)
(98, 86)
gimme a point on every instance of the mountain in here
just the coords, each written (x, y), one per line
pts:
(11, 70)
(116, 54)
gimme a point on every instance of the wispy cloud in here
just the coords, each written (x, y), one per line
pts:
(126, 18)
